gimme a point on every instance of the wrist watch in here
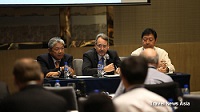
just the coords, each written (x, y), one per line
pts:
(60, 69)
(59, 72)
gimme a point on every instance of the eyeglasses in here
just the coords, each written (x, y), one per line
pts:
(100, 46)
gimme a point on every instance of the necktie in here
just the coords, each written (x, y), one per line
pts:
(57, 64)
(102, 59)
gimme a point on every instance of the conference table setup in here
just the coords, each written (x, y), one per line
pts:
(89, 83)
(108, 83)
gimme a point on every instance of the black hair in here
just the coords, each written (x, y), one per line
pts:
(99, 103)
(134, 69)
(148, 31)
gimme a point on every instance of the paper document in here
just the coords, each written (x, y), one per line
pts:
(116, 75)
(84, 77)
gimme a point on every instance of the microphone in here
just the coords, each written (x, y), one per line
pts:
(106, 57)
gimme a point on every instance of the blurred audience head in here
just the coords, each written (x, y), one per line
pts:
(151, 56)
(133, 70)
(149, 38)
(98, 103)
(101, 44)
(27, 70)
(56, 48)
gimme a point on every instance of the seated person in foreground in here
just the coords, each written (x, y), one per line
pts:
(153, 76)
(4, 92)
(149, 39)
(133, 72)
(98, 103)
(52, 63)
(32, 97)
(100, 52)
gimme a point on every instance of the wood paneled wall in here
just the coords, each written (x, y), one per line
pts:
(175, 21)
(184, 56)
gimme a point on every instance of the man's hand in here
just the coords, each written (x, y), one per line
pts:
(117, 70)
(162, 67)
(109, 68)
(50, 74)
(70, 70)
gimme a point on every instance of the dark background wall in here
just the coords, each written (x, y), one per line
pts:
(28, 24)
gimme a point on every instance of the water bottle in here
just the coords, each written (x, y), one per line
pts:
(185, 90)
(172, 104)
(66, 71)
(96, 91)
(57, 84)
(100, 68)
(170, 100)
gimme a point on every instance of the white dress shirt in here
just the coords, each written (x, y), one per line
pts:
(163, 55)
(141, 100)
(153, 77)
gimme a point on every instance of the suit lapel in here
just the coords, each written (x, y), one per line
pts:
(51, 63)
(62, 62)
(96, 59)
(110, 60)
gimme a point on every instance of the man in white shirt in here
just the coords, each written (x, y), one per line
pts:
(133, 72)
(154, 76)
(149, 39)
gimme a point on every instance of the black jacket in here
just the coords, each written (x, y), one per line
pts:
(34, 98)
(48, 65)
(90, 61)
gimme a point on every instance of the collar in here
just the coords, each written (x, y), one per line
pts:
(106, 56)
(134, 87)
(32, 83)
(99, 57)
(150, 66)
(31, 86)
(153, 48)
(54, 60)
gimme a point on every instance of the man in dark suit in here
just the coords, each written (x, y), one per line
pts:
(52, 63)
(32, 97)
(3, 91)
(101, 50)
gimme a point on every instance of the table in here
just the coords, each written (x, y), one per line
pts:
(103, 84)
(109, 84)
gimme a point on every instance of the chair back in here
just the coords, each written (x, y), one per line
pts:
(169, 90)
(68, 94)
(190, 103)
(81, 102)
(77, 64)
